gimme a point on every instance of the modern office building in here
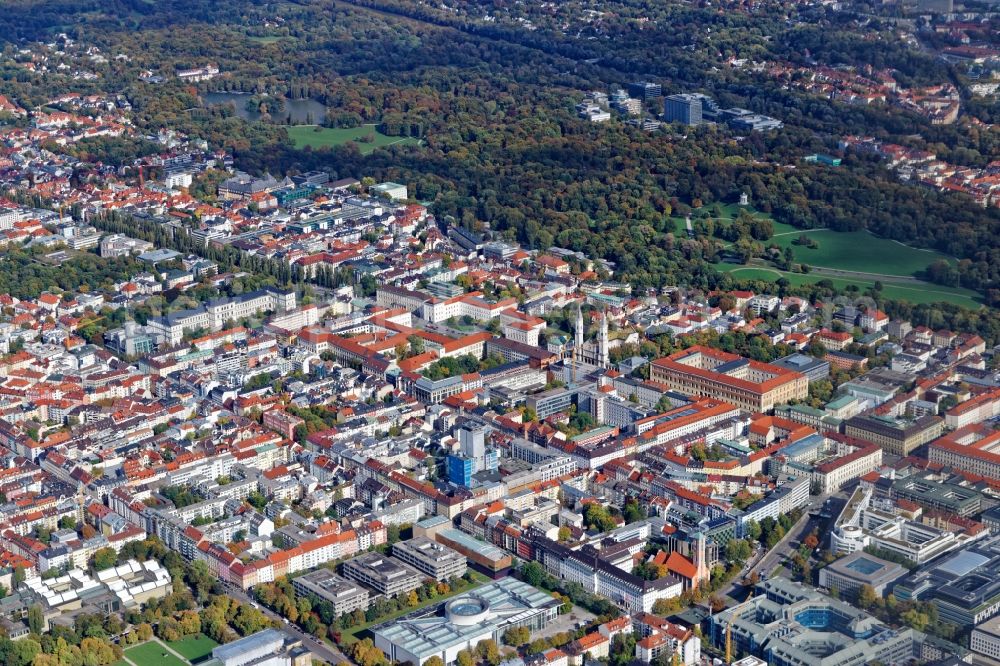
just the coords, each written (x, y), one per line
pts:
(431, 558)
(965, 586)
(345, 595)
(813, 368)
(269, 647)
(860, 526)
(792, 493)
(848, 574)
(484, 557)
(789, 624)
(474, 455)
(748, 121)
(386, 575)
(462, 468)
(645, 90)
(389, 190)
(459, 624)
(985, 639)
(549, 402)
(934, 493)
(684, 108)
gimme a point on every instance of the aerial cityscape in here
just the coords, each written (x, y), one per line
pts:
(499, 333)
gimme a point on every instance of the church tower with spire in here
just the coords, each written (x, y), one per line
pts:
(603, 358)
(578, 346)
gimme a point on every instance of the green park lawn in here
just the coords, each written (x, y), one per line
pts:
(307, 135)
(913, 292)
(194, 648)
(855, 251)
(150, 653)
(859, 251)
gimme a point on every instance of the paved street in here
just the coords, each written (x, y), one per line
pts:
(786, 546)
(320, 649)
(765, 563)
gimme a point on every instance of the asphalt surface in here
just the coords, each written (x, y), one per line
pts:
(764, 562)
(784, 548)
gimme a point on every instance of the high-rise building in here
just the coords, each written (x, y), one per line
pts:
(683, 108)
(472, 440)
(473, 455)
(460, 470)
(461, 467)
(645, 90)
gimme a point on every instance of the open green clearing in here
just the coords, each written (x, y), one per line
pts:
(913, 292)
(152, 652)
(859, 251)
(855, 251)
(265, 41)
(354, 634)
(307, 135)
(193, 648)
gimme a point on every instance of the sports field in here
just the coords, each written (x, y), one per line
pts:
(307, 135)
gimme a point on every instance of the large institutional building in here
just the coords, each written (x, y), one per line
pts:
(965, 586)
(898, 436)
(788, 624)
(972, 448)
(485, 613)
(750, 385)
